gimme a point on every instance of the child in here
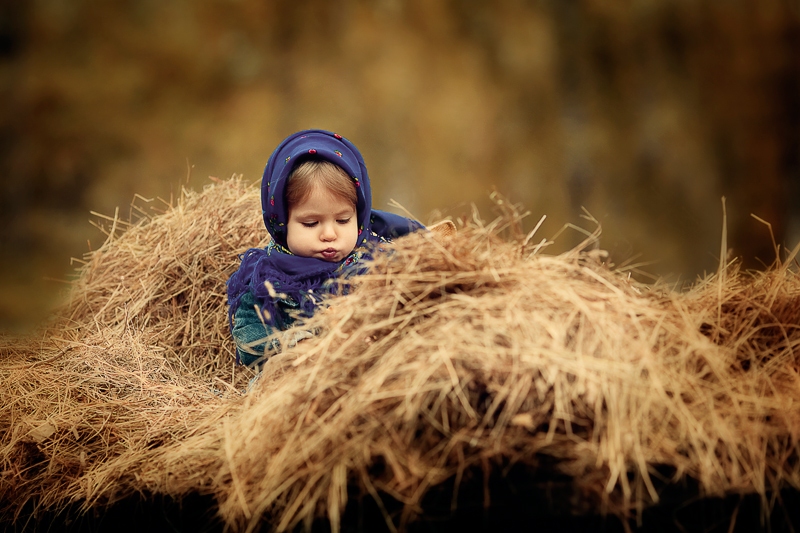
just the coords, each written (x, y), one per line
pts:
(317, 206)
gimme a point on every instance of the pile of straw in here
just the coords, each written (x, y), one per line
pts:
(474, 350)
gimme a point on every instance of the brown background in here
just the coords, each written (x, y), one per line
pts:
(644, 112)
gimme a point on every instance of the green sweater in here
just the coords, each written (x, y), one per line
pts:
(256, 341)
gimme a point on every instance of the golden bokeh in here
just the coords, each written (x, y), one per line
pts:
(645, 113)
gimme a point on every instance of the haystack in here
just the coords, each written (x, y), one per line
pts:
(475, 351)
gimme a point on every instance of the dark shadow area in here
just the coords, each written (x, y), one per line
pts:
(520, 500)
(153, 513)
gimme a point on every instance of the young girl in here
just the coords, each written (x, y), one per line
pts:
(317, 206)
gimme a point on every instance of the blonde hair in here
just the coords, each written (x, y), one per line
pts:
(309, 175)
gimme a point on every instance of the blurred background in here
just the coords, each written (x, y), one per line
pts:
(645, 112)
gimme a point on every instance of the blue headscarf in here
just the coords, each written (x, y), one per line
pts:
(297, 276)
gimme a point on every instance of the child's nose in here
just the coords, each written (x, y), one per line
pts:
(328, 232)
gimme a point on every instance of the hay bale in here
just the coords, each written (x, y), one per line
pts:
(454, 352)
(138, 359)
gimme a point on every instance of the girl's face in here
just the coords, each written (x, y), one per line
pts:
(322, 226)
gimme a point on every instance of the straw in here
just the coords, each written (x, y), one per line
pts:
(473, 349)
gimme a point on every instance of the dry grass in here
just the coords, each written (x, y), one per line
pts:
(471, 350)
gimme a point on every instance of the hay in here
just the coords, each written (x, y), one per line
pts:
(454, 353)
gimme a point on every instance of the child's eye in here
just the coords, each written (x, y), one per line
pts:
(309, 224)
(343, 221)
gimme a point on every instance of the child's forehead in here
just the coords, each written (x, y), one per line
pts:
(320, 198)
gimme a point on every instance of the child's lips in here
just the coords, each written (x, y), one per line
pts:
(329, 254)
